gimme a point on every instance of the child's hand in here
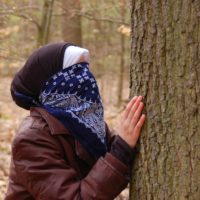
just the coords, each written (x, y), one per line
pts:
(132, 121)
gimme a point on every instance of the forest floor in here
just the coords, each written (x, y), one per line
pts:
(10, 118)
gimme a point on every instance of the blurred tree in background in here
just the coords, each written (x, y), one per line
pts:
(101, 26)
(44, 27)
(71, 21)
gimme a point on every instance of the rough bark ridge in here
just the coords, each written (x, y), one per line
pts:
(165, 68)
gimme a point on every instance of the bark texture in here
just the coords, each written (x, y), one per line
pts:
(165, 68)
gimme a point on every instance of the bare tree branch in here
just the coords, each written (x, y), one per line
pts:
(24, 16)
(86, 14)
(18, 12)
(19, 9)
(90, 17)
(110, 20)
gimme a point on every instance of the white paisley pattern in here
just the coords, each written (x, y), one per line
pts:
(79, 97)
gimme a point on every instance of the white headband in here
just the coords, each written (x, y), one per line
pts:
(74, 54)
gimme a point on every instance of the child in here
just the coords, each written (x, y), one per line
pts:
(64, 149)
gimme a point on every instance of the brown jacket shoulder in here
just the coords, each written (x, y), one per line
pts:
(49, 164)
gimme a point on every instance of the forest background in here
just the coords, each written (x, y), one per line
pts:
(102, 26)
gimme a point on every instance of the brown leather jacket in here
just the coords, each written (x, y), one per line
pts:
(49, 164)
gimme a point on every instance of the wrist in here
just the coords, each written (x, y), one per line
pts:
(121, 149)
(128, 141)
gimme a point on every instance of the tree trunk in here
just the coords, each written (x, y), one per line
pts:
(43, 29)
(71, 22)
(165, 69)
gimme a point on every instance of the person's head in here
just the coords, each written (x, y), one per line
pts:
(42, 64)
(57, 78)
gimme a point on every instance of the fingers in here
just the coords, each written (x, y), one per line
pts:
(138, 126)
(137, 114)
(132, 121)
(129, 106)
(134, 108)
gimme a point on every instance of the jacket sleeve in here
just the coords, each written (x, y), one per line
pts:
(47, 176)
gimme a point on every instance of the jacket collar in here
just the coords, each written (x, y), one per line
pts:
(55, 126)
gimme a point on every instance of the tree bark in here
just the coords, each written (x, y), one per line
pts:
(71, 22)
(165, 69)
